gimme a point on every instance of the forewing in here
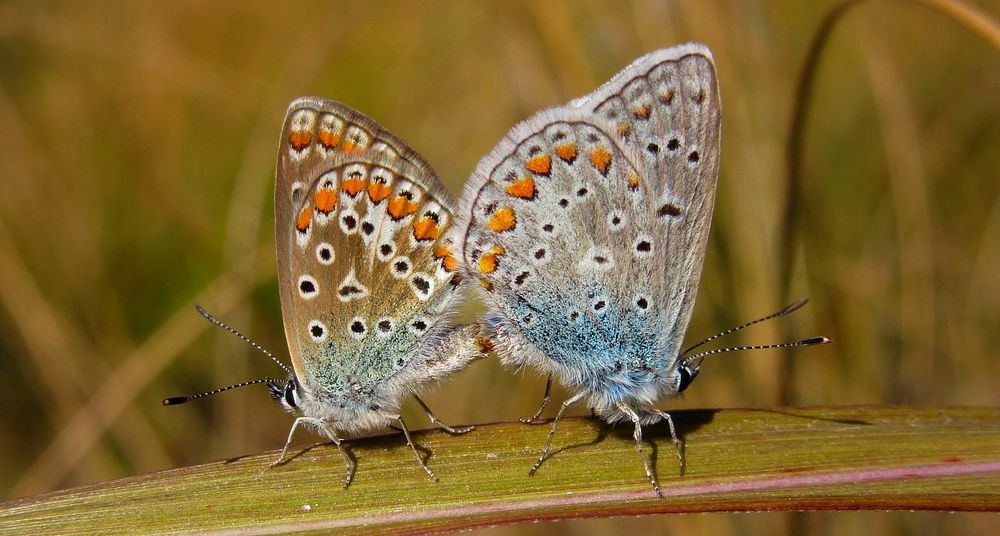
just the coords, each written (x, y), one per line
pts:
(363, 236)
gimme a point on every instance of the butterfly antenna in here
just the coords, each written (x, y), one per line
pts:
(787, 310)
(208, 316)
(175, 400)
(813, 341)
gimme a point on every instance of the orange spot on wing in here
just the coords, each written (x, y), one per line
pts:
(524, 188)
(377, 192)
(449, 262)
(633, 182)
(642, 112)
(299, 140)
(328, 139)
(426, 229)
(539, 164)
(567, 152)
(350, 147)
(400, 207)
(488, 263)
(486, 284)
(325, 200)
(600, 157)
(353, 186)
(502, 220)
(624, 128)
(304, 219)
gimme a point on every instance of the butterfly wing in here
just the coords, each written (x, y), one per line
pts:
(587, 224)
(363, 237)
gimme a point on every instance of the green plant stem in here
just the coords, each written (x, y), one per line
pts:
(817, 458)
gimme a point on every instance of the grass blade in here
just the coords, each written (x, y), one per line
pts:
(818, 458)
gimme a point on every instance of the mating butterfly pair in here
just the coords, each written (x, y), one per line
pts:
(584, 230)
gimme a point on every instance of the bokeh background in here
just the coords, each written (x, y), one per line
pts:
(138, 145)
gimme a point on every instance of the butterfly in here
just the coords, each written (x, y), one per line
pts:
(367, 277)
(586, 227)
(368, 280)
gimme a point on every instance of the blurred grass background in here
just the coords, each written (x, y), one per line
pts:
(139, 144)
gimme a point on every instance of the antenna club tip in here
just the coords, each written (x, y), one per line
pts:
(174, 400)
(815, 340)
(794, 306)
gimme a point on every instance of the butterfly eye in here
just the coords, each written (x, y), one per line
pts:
(291, 394)
(687, 375)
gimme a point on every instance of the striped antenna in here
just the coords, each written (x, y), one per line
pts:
(208, 316)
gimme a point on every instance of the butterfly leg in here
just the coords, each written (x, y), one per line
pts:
(298, 421)
(413, 446)
(349, 475)
(545, 401)
(638, 446)
(673, 434)
(443, 426)
(552, 432)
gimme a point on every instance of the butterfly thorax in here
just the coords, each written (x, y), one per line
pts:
(352, 411)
